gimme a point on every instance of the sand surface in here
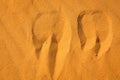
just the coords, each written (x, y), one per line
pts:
(59, 40)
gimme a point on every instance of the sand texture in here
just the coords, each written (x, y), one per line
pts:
(60, 40)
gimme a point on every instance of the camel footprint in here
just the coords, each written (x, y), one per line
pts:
(95, 31)
(42, 30)
(45, 43)
(51, 39)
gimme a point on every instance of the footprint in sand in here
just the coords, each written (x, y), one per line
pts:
(51, 39)
(45, 43)
(95, 32)
(42, 30)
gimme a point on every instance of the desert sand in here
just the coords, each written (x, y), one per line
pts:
(59, 40)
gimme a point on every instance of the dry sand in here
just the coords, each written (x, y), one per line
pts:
(59, 40)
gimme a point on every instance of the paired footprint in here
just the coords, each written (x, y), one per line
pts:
(52, 35)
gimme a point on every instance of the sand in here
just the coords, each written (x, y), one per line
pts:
(59, 40)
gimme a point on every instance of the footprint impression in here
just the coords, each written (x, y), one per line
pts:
(51, 39)
(95, 32)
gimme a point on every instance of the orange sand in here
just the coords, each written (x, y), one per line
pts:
(59, 40)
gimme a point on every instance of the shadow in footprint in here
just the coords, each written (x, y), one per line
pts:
(80, 30)
(97, 46)
(38, 46)
(52, 54)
